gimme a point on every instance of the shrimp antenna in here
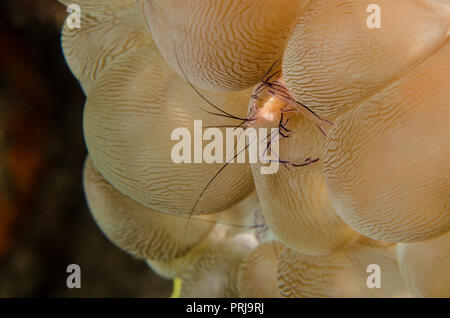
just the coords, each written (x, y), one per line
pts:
(225, 114)
(213, 178)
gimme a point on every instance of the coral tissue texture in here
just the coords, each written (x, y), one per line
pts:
(359, 97)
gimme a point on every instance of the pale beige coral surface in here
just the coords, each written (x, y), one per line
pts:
(368, 114)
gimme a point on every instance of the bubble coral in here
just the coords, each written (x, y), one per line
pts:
(362, 117)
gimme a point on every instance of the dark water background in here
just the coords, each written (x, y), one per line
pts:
(44, 221)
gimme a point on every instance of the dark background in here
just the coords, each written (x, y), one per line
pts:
(45, 224)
